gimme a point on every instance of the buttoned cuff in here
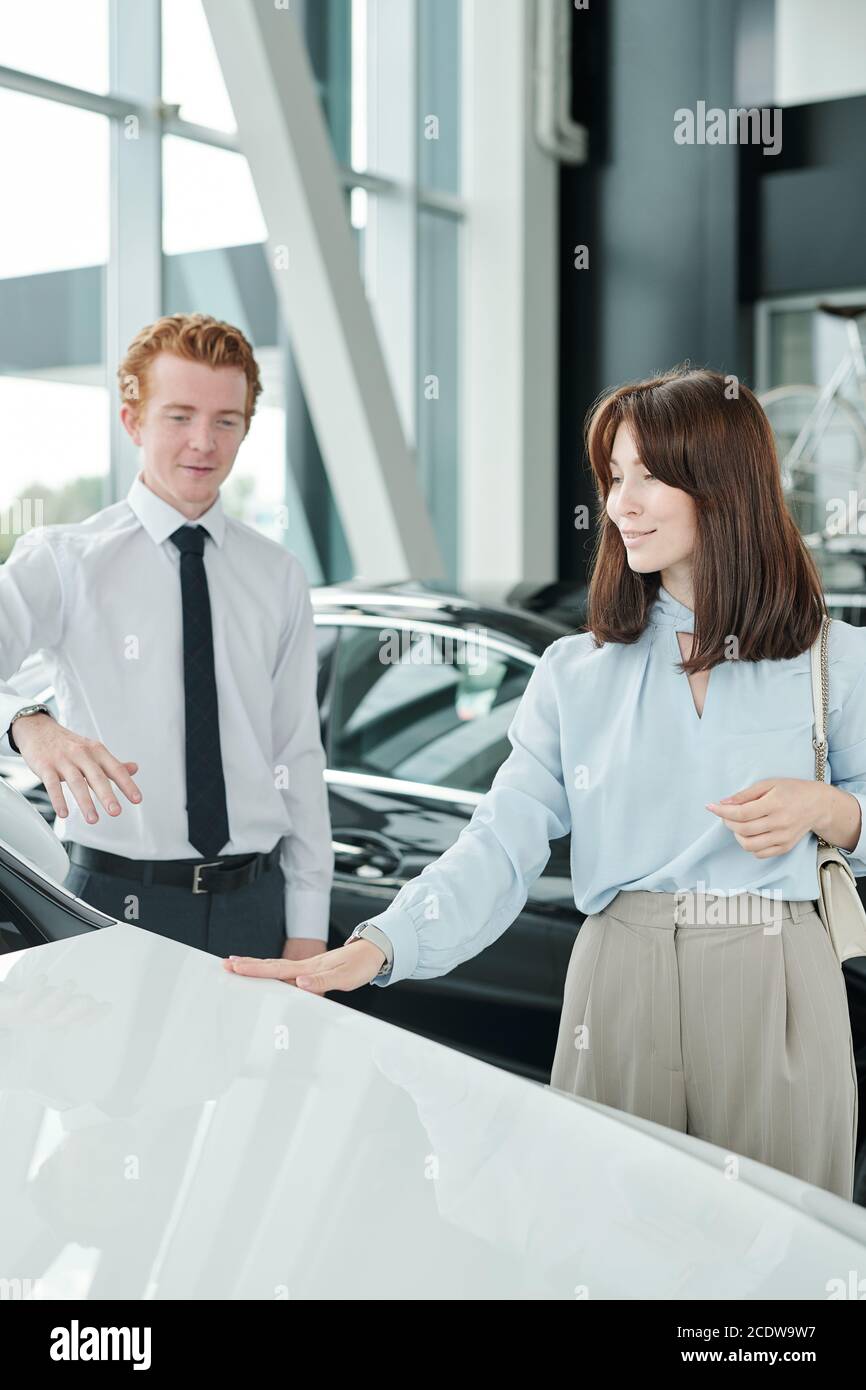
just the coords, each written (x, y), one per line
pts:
(859, 850)
(397, 925)
(307, 913)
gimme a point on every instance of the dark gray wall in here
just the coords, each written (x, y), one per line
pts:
(662, 220)
(666, 263)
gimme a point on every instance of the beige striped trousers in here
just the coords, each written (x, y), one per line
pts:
(723, 1017)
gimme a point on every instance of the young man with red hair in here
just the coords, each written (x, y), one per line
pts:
(178, 634)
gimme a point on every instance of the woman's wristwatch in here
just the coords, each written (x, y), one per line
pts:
(367, 932)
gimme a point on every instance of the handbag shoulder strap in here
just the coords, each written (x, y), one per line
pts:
(820, 700)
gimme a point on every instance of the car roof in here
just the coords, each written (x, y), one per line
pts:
(531, 613)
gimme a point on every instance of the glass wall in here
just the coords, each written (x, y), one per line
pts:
(60, 287)
(53, 253)
(63, 40)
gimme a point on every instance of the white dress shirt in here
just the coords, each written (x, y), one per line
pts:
(102, 599)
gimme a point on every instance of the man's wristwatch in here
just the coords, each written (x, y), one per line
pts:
(367, 932)
(28, 709)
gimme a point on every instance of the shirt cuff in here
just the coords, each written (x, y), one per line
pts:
(397, 925)
(859, 850)
(307, 913)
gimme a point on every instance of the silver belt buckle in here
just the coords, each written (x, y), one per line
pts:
(197, 868)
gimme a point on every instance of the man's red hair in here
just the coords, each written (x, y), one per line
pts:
(197, 338)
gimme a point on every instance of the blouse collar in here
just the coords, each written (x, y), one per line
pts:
(667, 611)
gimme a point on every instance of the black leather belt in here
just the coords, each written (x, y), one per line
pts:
(221, 875)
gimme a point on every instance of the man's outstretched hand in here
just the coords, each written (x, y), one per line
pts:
(57, 755)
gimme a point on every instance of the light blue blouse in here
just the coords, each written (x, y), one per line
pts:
(607, 744)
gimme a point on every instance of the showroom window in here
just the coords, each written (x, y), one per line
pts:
(811, 375)
(91, 254)
(54, 426)
(62, 40)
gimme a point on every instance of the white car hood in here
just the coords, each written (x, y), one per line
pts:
(173, 1131)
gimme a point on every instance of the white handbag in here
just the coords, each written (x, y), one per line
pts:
(838, 903)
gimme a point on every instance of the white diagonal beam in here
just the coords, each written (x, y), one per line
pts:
(509, 447)
(134, 273)
(282, 132)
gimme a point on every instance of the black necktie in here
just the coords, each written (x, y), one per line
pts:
(205, 786)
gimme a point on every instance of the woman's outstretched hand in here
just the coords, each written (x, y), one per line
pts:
(348, 967)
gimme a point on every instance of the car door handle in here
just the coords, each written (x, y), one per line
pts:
(364, 856)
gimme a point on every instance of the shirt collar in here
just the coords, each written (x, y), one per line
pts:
(667, 611)
(160, 519)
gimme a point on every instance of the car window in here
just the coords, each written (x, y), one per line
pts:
(424, 708)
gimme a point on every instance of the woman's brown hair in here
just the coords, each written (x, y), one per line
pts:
(753, 576)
